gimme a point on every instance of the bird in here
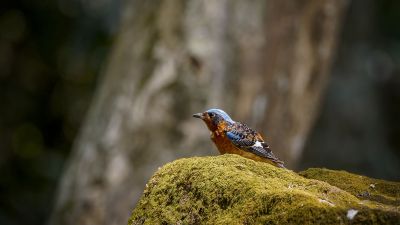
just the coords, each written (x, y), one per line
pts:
(237, 138)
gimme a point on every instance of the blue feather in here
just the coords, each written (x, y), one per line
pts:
(233, 136)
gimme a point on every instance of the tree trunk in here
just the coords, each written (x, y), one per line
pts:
(264, 62)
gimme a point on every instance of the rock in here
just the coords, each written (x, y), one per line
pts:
(230, 189)
(365, 188)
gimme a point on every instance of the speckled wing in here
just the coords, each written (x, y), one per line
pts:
(247, 139)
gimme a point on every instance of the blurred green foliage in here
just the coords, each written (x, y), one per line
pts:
(51, 53)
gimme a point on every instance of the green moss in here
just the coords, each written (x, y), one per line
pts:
(381, 191)
(230, 189)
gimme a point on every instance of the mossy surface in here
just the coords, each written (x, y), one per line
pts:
(365, 188)
(230, 189)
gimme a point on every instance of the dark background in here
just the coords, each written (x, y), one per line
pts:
(358, 128)
(52, 54)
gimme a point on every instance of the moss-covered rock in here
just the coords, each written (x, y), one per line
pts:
(230, 189)
(379, 191)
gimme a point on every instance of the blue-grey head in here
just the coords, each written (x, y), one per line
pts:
(214, 117)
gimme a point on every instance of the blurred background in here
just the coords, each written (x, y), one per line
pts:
(57, 56)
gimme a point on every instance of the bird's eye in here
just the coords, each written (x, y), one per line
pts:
(211, 115)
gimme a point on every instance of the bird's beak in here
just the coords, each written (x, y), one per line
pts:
(198, 115)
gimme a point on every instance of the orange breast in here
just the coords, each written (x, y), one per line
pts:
(223, 144)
